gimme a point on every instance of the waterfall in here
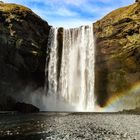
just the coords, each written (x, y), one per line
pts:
(74, 89)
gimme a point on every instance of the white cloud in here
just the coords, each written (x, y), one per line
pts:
(76, 2)
(65, 12)
(71, 23)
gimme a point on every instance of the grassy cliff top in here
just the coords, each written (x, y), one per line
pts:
(5, 7)
(14, 11)
(130, 11)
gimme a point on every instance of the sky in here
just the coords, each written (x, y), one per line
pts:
(71, 13)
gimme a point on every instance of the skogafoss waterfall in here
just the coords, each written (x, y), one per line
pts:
(74, 89)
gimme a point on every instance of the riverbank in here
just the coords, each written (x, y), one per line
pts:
(69, 126)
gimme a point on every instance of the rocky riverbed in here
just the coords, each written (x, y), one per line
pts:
(69, 126)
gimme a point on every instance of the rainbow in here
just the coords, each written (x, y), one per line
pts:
(129, 99)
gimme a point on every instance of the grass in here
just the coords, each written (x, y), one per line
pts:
(12, 7)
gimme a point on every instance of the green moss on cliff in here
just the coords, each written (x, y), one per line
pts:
(117, 50)
(12, 8)
(23, 44)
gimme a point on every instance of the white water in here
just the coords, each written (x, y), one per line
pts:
(74, 91)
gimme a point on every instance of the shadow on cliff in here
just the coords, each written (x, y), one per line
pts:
(101, 77)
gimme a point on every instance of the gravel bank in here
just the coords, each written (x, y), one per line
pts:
(70, 126)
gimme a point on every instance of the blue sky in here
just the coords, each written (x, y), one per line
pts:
(71, 13)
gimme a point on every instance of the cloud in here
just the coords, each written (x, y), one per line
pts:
(73, 23)
(71, 12)
(76, 2)
(64, 12)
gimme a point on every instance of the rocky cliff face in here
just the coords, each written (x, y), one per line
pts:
(117, 52)
(23, 42)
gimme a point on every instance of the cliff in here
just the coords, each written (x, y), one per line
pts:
(23, 43)
(117, 52)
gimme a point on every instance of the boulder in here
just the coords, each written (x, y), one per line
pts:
(26, 108)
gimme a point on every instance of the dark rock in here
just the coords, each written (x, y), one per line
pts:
(7, 103)
(23, 44)
(117, 53)
(26, 108)
(131, 111)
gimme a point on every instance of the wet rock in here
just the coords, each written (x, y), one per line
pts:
(7, 103)
(26, 108)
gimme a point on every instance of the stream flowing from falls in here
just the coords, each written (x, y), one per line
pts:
(70, 82)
